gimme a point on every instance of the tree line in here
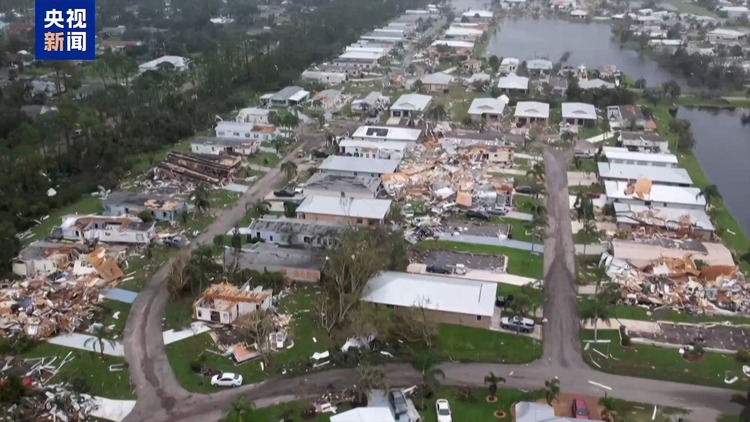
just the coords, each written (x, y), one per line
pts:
(97, 140)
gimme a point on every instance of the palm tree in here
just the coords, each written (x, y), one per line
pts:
(593, 311)
(201, 198)
(438, 111)
(744, 401)
(607, 405)
(536, 172)
(589, 232)
(493, 380)
(552, 389)
(261, 208)
(538, 223)
(241, 410)
(100, 339)
(290, 169)
(709, 193)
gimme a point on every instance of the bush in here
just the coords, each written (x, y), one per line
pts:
(146, 216)
(16, 345)
(78, 383)
(743, 356)
(12, 390)
(196, 366)
(624, 337)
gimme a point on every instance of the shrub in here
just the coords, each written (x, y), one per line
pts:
(743, 356)
(196, 366)
(12, 390)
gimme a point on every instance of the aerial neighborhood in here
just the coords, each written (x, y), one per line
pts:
(355, 211)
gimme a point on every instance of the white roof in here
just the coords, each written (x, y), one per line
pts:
(346, 207)
(595, 83)
(532, 109)
(513, 81)
(622, 154)
(735, 9)
(727, 32)
(381, 38)
(361, 55)
(417, 102)
(455, 31)
(661, 216)
(657, 174)
(579, 12)
(533, 412)
(510, 60)
(252, 111)
(454, 43)
(658, 194)
(539, 64)
(439, 293)
(438, 78)
(359, 143)
(578, 111)
(365, 414)
(356, 48)
(387, 133)
(299, 95)
(178, 62)
(234, 125)
(481, 13)
(359, 164)
(486, 105)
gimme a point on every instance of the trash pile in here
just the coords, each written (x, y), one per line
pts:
(41, 308)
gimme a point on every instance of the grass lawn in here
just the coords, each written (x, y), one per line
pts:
(477, 410)
(724, 220)
(523, 203)
(304, 329)
(687, 6)
(86, 205)
(266, 159)
(111, 308)
(519, 228)
(520, 262)
(141, 268)
(728, 418)
(663, 363)
(113, 385)
(478, 345)
(640, 314)
(587, 165)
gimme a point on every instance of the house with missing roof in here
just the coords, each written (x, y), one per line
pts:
(358, 166)
(648, 219)
(223, 303)
(643, 192)
(509, 65)
(224, 146)
(578, 114)
(444, 48)
(105, 229)
(253, 115)
(487, 109)
(322, 184)
(176, 62)
(643, 142)
(161, 207)
(530, 113)
(447, 300)
(539, 67)
(295, 232)
(669, 176)
(290, 96)
(628, 117)
(239, 130)
(297, 265)
(411, 105)
(347, 210)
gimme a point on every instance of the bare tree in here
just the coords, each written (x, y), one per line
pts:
(414, 326)
(256, 328)
(177, 278)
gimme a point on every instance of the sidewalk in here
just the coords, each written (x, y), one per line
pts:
(594, 249)
(113, 410)
(78, 341)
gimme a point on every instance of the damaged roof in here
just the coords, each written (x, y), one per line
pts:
(261, 256)
(336, 184)
(375, 209)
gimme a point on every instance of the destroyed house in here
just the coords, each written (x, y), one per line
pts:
(224, 146)
(642, 253)
(657, 220)
(349, 211)
(295, 232)
(623, 156)
(194, 167)
(373, 149)
(447, 300)
(358, 166)
(45, 258)
(669, 176)
(628, 117)
(643, 141)
(104, 229)
(371, 101)
(643, 192)
(322, 184)
(161, 208)
(497, 154)
(388, 133)
(297, 265)
(223, 303)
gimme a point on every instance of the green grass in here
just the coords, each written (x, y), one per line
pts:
(523, 203)
(111, 307)
(113, 385)
(519, 228)
(728, 418)
(664, 363)
(477, 410)
(588, 165)
(266, 159)
(520, 262)
(686, 6)
(86, 205)
(467, 344)
(723, 219)
(642, 412)
(304, 329)
(290, 412)
(142, 268)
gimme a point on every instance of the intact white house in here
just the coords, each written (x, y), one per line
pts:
(177, 62)
(411, 105)
(388, 133)
(237, 130)
(578, 114)
(222, 146)
(490, 109)
(624, 156)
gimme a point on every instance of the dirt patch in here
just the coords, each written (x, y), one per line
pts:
(717, 336)
(476, 227)
(473, 261)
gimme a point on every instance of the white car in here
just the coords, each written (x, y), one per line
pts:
(443, 410)
(227, 379)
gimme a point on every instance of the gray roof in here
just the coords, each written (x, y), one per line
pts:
(359, 164)
(657, 174)
(349, 184)
(641, 136)
(539, 64)
(375, 209)
(156, 201)
(295, 225)
(533, 412)
(213, 140)
(261, 255)
(595, 83)
(438, 78)
(661, 216)
(513, 81)
(286, 93)
(578, 111)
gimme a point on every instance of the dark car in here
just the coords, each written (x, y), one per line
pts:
(438, 269)
(284, 193)
(481, 215)
(529, 190)
(397, 401)
(503, 301)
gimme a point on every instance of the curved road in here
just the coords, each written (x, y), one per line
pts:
(160, 397)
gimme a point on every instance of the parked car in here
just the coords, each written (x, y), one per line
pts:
(438, 269)
(397, 399)
(503, 301)
(529, 190)
(284, 193)
(481, 215)
(226, 379)
(443, 410)
(580, 411)
(497, 210)
(518, 324)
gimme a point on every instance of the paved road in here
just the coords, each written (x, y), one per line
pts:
(160, 398)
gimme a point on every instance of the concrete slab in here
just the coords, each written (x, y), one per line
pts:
(113, 410)
(196, 328)
(120, 295)
(79, 341)
(235, 187)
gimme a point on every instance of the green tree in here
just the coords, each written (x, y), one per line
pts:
(201, 198)
(709, 193)
(551, 390)
(744, 401)
(290, 169)
(521, 305)
(607, 406)
(369, 378)
(102, 337)
(588, 233)
(492, 382)
(437, 111)
(261, 208)
(593, 311)
(241, 411)
(538, 223)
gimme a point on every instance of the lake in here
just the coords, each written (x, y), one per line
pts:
(590, 45)
(722, 145)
